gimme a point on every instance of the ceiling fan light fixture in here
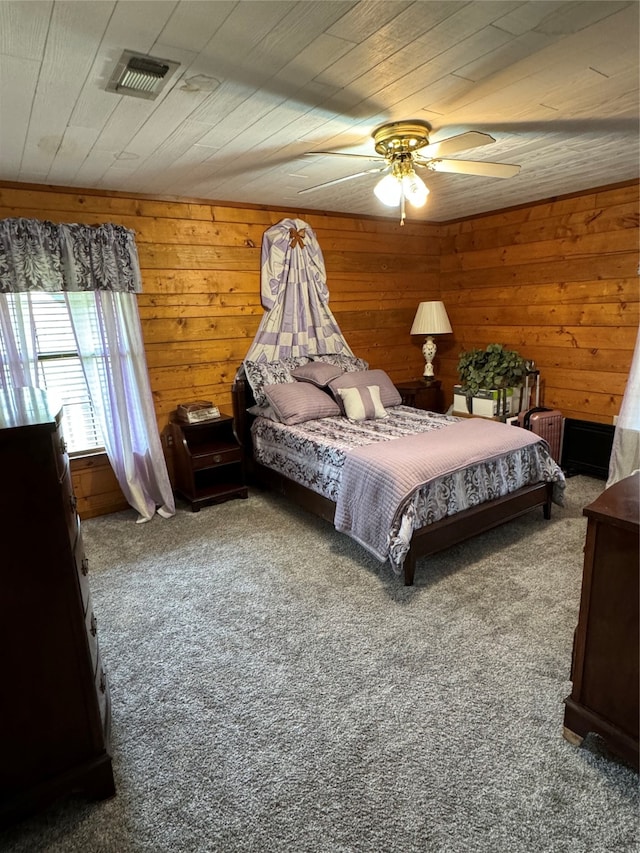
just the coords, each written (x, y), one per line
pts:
(404, 146)
(388, 190)
(415, 190)
(402, 184)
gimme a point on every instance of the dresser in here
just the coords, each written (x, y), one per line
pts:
(604, 671)
(55, 708)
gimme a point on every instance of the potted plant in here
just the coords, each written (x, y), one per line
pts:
(494, 369)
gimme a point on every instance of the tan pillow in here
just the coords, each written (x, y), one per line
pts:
(389, 394)
(362, 404)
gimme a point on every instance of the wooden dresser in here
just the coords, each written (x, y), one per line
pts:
(604, 698)
(54, 706)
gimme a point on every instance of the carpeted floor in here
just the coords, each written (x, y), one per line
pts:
(276, 689)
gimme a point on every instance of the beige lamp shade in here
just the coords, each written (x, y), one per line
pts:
(431, 319)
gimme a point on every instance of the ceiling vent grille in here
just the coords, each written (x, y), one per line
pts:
(140, 76)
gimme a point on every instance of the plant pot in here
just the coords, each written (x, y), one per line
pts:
(487, 403)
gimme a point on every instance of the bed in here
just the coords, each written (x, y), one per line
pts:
(311, 460)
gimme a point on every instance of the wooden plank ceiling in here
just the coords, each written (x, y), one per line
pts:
(259, 84)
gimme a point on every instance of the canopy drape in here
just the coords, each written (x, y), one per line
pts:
(293, 286)
(97, 268)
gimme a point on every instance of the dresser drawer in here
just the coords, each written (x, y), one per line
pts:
(60, 453)
(82, 571)
(91, 624)
(73, 521)
(206, 458)
(69, 503)
(102, 692)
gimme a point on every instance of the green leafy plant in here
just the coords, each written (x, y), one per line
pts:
(493, 367)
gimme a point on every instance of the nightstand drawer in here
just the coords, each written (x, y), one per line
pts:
(205, 457)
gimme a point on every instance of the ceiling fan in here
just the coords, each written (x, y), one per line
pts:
(402, 147)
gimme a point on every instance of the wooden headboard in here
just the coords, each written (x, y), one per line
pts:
(242, 398)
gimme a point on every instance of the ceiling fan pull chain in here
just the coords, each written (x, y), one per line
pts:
(402, 210)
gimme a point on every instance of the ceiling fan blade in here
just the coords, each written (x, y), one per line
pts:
(475, 167)
(340, 180)
(343, 154)
(461, 142)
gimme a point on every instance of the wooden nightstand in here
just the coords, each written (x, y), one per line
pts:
(421, 394)
(208, 461)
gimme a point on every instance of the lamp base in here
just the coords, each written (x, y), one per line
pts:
(429, 353)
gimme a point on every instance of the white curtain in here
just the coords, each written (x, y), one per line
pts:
(625, 455)
(115, 368)
(97, 268)
(18, 344)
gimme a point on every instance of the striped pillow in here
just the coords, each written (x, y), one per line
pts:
(389, 394)
(296, 402)
(362, 404)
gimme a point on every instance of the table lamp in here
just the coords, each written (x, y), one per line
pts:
(431, 319)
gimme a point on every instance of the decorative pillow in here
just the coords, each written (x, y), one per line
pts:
(263, 412)
(296, 402)
(349, 363)
(261, 373)
(318, 373)
(389, 394)
(362, 404)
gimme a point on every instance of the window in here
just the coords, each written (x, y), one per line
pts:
(58, 365)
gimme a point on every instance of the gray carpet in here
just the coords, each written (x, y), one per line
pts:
(274, 688)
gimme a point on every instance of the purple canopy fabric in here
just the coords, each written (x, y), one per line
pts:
(298, 320)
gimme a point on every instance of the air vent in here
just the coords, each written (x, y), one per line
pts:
(140, 76)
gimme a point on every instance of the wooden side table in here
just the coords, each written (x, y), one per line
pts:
(421, 394)
(208, 461)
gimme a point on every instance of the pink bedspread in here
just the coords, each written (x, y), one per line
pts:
(379, 478)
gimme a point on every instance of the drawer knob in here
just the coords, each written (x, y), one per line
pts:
(217, 457)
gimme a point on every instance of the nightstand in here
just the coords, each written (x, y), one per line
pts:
(208, 461)
(421, 394)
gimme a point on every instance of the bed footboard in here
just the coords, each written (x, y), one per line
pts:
(471, 522)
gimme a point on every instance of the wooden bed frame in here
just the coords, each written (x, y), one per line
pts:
(425, 541)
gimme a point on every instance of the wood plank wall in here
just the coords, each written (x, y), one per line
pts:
(200, 305)
(557, 281)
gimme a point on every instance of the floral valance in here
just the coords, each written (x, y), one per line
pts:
(41, 255)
